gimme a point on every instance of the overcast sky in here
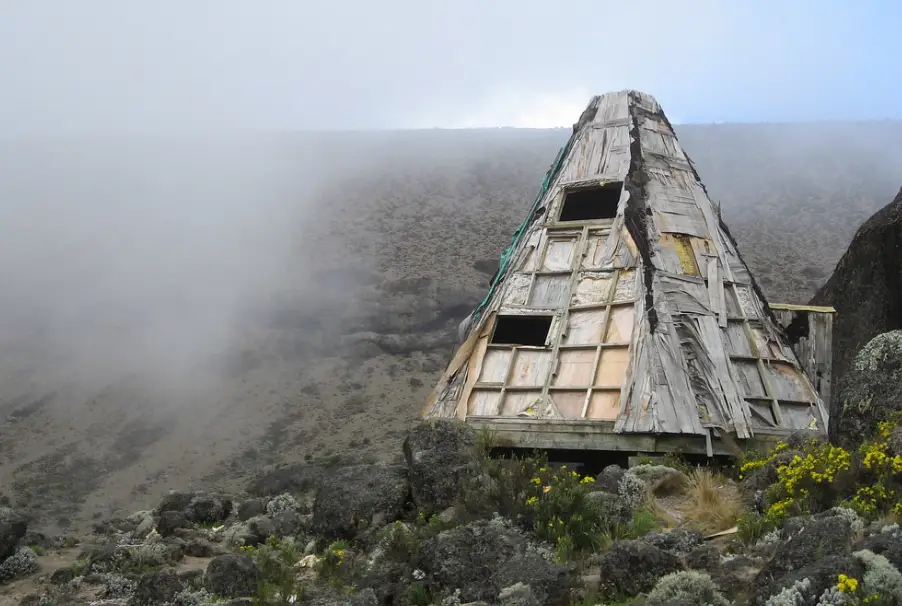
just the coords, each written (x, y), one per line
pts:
(120, 66)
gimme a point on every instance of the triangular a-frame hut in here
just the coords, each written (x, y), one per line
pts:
(622, 316)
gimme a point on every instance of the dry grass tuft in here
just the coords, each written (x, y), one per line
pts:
(711, 502)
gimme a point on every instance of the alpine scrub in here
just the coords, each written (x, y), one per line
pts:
(820, 475)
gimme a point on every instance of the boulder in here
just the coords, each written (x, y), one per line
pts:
(808, 581)
(887, 543)
(170, 522)
(251, 508)
(208, 509)
(609, 479)
(175, 501)
(12, 528)
(632, 567)
(350, 497)
(819, 538)
(232, 576)
(483, 558)
(438, 453)
(680, 541)
(865, 289)
(156, 587)
(870, 392)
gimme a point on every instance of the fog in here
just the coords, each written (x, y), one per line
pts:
(144, 257)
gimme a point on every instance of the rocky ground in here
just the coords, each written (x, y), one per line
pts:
(810, 523)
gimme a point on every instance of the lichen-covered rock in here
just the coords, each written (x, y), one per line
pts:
(686, 587)
(518, 595)
(171, 522)
(251, 508)
(632, 567)
(820, 539)
(680, 541)
(12, 528)
(871, 390)
(806, 584)
(22, 562)
(439, 454)
(887, 543)
(661, 480)
(350, 497)
(231, 575)
(175, 501)
(609, 479)
(865, 288)
(288, 523)
(482, 558)
(208, 509)
(156, 587)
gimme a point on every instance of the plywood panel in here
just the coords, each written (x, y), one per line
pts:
(592, 288)
(494, 365)
(736, 340)
(620, 326)
(516, 402)
(575, 368)
(612, 366)
(604, 405)
(569, 403)
(594, 251)
(750, 380)
(560, 253)
(627, 286)
(531, 368)
(787, 383)
(585, 327)
(798, 417)
(517, 289)
(550, 292)
(483, 402)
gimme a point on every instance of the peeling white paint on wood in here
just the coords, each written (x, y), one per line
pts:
(708, 353)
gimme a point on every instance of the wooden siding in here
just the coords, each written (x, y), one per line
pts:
(714, 359)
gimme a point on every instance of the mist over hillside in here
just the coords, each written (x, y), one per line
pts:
(180, 312)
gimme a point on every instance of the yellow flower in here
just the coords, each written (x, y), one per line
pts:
(587, 480)
(546, 489)
(847, 584)
(532, 500)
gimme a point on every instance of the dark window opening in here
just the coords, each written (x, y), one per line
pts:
(592, 203)
(797, 328)
(522, 330)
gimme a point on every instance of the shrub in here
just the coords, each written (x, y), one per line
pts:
(561, 513)
(282, 504)
(868, 481)
(23, 562)
(276, 560)
(807, 484)
(686, 587)
(334, 567)
(879, 471)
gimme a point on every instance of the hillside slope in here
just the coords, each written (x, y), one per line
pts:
(183, 313)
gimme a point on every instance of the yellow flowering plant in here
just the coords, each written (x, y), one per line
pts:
(561, 512)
